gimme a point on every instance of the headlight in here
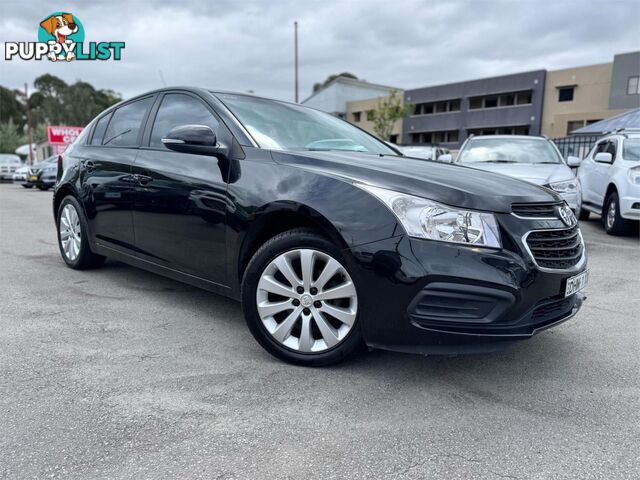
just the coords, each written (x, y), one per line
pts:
(634, 175)
(423, 218)
(49, 169)
(567, 186)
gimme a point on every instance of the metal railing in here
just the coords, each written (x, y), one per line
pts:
(576, 145)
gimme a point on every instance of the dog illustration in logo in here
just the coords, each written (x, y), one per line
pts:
(60, 27)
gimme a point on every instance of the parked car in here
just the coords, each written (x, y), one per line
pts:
(428, 152)
(610, 180)
(329, 245)
(21, 175)
(533, 159)
(43, 175)
(8, 165)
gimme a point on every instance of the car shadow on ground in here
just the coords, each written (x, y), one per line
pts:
(540, 356)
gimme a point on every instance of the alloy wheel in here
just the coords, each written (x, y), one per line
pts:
(611, 214)
(307, 300)
(70, 232)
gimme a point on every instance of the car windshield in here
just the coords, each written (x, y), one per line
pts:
(631, 149)
(507, 150)
(9, 159)
(285, 126)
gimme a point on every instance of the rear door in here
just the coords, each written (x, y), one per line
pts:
(179, 212)
(106, 173)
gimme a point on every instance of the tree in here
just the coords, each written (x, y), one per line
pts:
(10, 139)
(331, 78)
(11, 108)
(389, 110)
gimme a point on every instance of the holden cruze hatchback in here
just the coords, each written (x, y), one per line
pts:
(331, 239)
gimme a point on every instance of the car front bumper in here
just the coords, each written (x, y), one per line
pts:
(630, 207)
(423, 296)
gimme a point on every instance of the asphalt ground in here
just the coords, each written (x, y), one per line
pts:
(120, 373)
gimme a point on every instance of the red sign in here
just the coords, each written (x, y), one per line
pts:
(61, 135)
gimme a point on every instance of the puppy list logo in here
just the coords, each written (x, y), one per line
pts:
(61, 37)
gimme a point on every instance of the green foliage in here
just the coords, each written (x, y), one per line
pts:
(53, 103)
(389, 110)
(10, 138)
(330, 78)
(11, 108)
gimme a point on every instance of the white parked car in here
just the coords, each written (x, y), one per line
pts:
(21, 174)
(427, 152)
(533, 159)
(610, 180)
(8, 165)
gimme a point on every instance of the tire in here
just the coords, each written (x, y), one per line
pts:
(71, 225)
(44, 189)
(27, 186)
(613, 223)
(328, 340)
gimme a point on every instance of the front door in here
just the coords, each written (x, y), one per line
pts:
(105, 173)
(179, 211)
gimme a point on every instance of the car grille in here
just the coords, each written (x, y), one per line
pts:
(535, 210)
(557, 249)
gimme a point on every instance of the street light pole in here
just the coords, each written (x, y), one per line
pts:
(29, 136)
(295, 60)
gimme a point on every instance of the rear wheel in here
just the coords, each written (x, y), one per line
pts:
(300, 301)
(614, 224)
(25, 185)
(72, 237)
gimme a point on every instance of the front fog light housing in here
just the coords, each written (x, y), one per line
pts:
(567, 186)
(422, 218)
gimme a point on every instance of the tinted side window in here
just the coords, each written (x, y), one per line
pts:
(98, 132)
(126, 123)
(601, 147)
(611, 148)
(179, 109)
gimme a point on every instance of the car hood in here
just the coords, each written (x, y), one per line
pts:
(540, 174)
(446, 183)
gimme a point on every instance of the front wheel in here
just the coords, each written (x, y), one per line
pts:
(614, 224)
(299, 300)
(25, 185)
(72, 236)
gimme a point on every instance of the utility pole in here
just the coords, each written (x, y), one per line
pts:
(295, 58)
(29, 136)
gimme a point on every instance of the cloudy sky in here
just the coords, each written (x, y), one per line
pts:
(247, 45)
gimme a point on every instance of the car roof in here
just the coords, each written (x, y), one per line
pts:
(528, 137)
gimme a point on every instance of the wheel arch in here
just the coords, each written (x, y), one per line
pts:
(61, 192)
(610, 189)
(279, 217)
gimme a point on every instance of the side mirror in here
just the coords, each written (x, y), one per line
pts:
(446, 158)
(198, 139)
(603, 157)
(573, 161)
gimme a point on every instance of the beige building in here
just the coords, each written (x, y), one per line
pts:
(576, 97)
(357, 113)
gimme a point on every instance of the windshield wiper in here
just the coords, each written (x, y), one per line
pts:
(496, 161)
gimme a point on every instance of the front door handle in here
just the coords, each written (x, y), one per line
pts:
(89, 166)
(143, 179)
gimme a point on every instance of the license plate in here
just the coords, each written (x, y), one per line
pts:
(576, 283)
(33, 178)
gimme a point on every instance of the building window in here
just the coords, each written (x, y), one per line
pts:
(511, 130)
(428, 138)
(443, 106)
(565, 94)
(393, 138)
(633, 85)
(356, 116)
(589, 122)
(574, 125)
(501, 100)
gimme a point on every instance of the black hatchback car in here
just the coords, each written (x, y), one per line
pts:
(330, 238)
